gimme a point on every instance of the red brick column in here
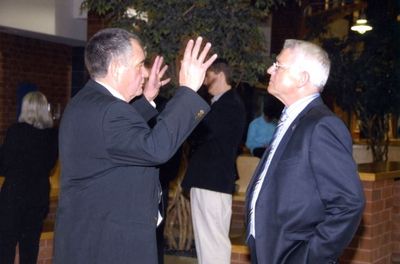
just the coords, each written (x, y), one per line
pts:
(240, 252)
(396, 221)
(237, 222)
(377, 240)
(45, 249)
(240, 255)
(373, 241)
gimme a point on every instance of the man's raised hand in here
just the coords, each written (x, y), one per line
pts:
(193, 66)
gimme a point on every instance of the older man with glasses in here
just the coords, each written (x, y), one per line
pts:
(305, 200)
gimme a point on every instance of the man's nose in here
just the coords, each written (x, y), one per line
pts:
(271, 70)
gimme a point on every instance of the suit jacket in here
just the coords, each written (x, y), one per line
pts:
(215, 144)
(110, 190)
(311, 201)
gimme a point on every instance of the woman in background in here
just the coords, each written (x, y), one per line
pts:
(28, 154)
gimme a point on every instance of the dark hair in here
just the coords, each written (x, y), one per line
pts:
(221, 65)
(272, 107)
(105, 45)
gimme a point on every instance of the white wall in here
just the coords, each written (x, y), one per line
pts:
(53, 18)
(363, 155)
(70, 22)
(33, 15)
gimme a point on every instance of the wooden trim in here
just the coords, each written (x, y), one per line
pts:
(377, 171)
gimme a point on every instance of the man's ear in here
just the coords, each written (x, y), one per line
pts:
(113, 70)
(304, 78)
(221, 76)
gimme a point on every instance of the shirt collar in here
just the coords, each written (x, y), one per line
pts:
(216, 97)
(294, 110)
(114, 92)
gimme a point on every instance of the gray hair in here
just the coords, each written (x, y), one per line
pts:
(311, 58)
(106, 45)
(35, 111)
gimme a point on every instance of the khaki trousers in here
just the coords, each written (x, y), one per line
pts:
(211, 216)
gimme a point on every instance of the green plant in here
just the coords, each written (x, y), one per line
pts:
(234, 27)
(365, 75)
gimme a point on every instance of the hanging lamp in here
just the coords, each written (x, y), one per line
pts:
(361, 25)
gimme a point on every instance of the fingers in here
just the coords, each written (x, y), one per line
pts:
(193, 67)
(210, 61)
(204, 52)
(164, 82)
(160, 63)
(156, 71)
(188, 50)
(155, 67)
(195, 51)
(162, 72)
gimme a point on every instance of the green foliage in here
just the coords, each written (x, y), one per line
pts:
(365, 75)
(232, 26)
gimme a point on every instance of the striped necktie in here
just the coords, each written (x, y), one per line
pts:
(260, 177)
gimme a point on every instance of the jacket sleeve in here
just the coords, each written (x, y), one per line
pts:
(144, 108)
(129, 139)
(339, 189)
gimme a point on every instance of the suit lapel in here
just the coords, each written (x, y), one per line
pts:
(279, 151)
(289, 132)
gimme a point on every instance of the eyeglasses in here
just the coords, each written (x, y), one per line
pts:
(276, 66)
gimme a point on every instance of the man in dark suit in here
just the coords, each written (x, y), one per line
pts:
(305, 200)
(211, 171)
(108, 206)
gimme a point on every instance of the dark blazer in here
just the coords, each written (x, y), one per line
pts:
(215, 144)
(311, 201)
(110, 190)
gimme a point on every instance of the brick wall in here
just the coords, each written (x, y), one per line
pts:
(238, 211)
(240, 255)
(26, 60)
(45, 249)
(95, 23)
(373, 242)
(396, 220)
(377, 240)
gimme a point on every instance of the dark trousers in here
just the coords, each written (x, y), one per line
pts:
(160, 229)
(22, 227)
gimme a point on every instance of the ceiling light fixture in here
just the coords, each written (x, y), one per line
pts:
(361, 25)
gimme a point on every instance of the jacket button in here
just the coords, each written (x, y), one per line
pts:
(199, 114)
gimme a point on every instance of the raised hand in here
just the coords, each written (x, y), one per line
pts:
(153, 84)
(193, 68)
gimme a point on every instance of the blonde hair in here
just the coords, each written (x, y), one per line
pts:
(311, 58)
(35, 111)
